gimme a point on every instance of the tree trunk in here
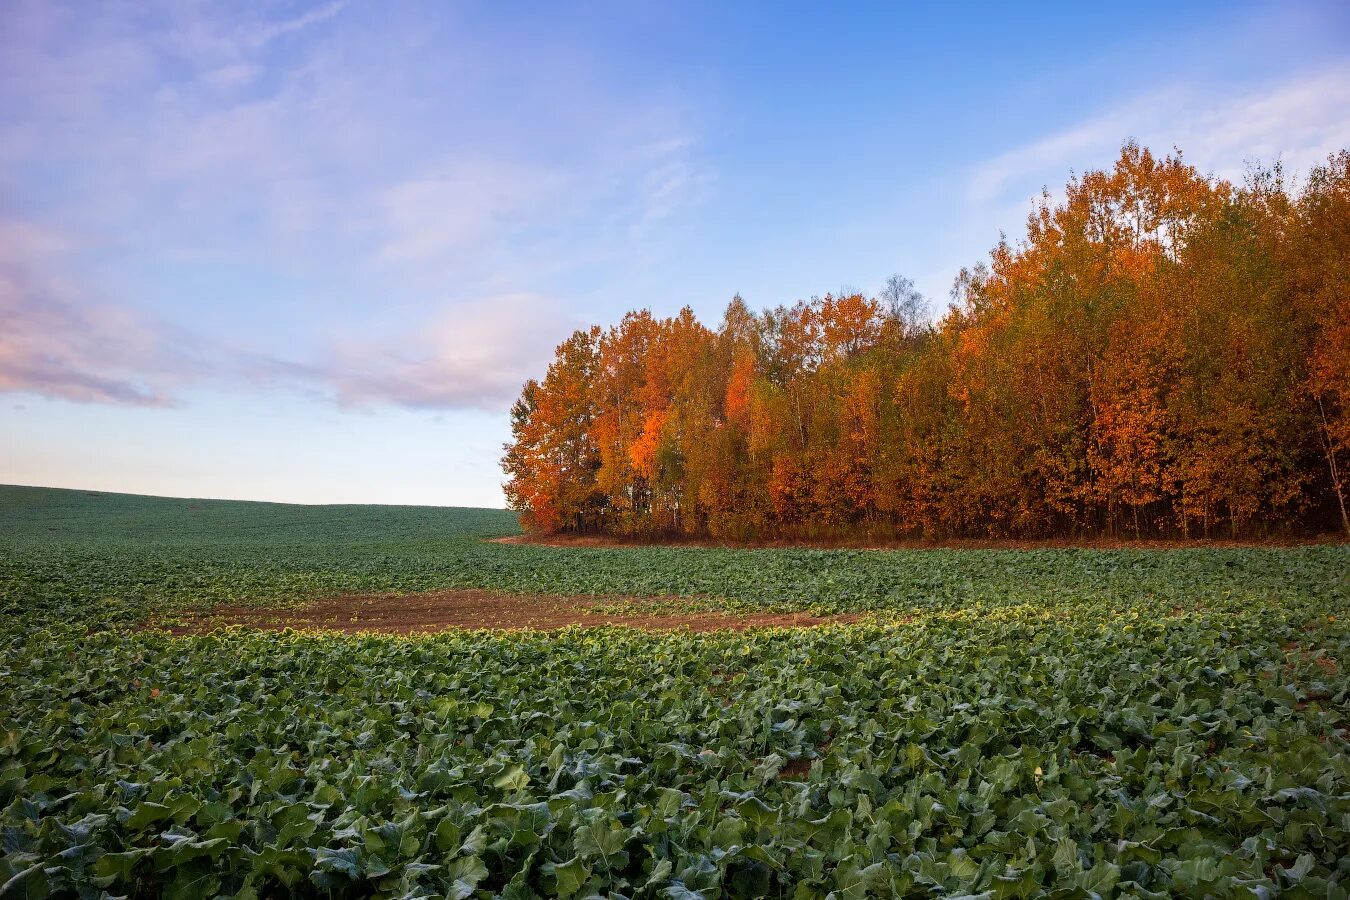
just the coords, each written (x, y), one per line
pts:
(1337, 483)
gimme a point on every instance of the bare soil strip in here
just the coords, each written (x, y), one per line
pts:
(473, 609)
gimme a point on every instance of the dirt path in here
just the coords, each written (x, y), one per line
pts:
(468, 609)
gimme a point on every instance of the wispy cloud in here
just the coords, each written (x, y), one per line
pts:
(1298, 122)
(332, 159)
(55, 344)
(673, 182)
(460, 208)
(264, 33)
(478, 353)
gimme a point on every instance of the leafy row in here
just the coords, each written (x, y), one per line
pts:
(1041, 724)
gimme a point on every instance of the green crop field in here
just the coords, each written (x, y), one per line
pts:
(1068, 723)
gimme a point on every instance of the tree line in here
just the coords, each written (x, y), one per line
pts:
(1164, 353)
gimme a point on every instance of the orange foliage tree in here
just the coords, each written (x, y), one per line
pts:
(1162, 353)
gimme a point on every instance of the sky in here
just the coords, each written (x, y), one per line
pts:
(310, 251)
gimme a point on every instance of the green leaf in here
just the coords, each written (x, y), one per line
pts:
(514, 778)
(468, 869)
(448, 836)
(344, 860)
(147, 814)
(570, 876)
(475, 843)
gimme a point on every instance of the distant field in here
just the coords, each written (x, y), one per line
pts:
(999, 723)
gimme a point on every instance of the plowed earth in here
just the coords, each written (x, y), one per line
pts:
(475, 609)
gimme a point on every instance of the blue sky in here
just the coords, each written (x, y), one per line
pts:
(310, 251)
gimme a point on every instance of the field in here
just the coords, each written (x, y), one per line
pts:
(1067, 723)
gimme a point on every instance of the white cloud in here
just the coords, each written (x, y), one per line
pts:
(476, 354)
(673, 182)
(231, 76)
(263, 33)
(364, 143)
(469, 203)
(57, 341)
(1299, 122)
(367, 178)
(54, 343)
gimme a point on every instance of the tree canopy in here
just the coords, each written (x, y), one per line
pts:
(1162, 353)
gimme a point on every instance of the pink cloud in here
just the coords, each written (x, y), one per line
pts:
(55, 345)
(58, 341)
(477, 354)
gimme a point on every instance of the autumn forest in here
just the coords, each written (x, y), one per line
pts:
(1162, 354)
